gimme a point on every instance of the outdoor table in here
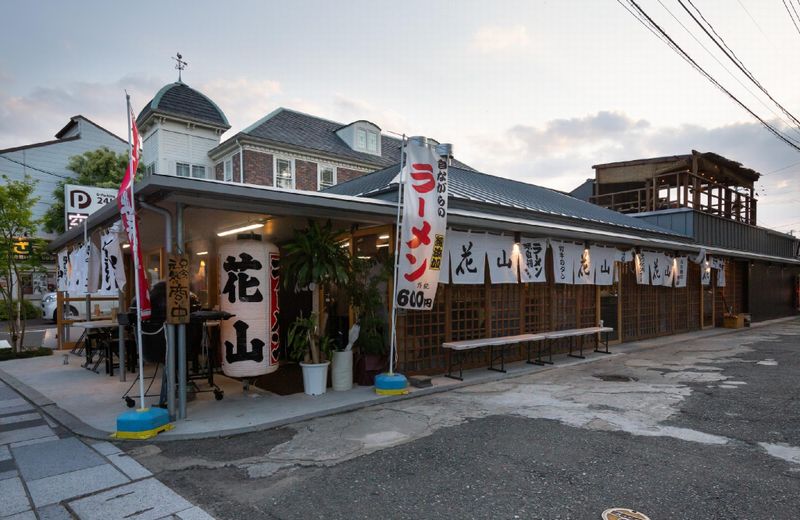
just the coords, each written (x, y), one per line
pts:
(92, 329)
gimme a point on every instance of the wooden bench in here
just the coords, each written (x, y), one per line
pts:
(458, 348)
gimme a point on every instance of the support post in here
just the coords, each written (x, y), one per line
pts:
(179, 238)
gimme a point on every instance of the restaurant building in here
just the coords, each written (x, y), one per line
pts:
(678, 256)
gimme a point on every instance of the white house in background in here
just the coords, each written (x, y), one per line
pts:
(178, 127)
(46, 162)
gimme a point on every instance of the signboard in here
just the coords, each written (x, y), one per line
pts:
(422, 247)
(178, 289)
(82, 201)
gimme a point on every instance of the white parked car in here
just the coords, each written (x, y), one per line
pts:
(76, 309)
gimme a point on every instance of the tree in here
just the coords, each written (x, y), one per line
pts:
(17, 224)
(101, 168)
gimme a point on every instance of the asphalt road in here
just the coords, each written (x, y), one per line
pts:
(704, 430)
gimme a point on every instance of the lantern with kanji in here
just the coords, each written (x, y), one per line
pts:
(248, 282)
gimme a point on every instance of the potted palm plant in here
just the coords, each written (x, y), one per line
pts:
(304, 342)
(314, 259)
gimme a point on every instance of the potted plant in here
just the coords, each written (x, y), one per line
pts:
(369, 307)
(314, 259)
(312, 350)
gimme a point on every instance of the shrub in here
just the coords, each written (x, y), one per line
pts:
(8, 353)
(29, 311)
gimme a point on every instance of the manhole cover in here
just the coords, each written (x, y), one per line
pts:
(620, 513)
(617, 378)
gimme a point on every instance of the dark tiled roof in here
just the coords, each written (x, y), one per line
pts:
(504, 195)
(317, 134)
(179, 99)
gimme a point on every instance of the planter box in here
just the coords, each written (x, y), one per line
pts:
(735, 321)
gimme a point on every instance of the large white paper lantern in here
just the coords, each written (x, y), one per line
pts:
(248, 281)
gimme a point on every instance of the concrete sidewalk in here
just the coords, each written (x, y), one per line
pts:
(49, 474)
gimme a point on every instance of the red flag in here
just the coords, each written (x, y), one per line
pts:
(128, 214)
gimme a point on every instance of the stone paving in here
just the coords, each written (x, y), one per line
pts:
(49, 474)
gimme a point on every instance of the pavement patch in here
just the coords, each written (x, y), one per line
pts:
(55, 457)
(14, 500)
(782, 451)
(25, 434)
(51, 490)
(144, 500)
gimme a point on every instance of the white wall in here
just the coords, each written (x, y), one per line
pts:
(177, 142)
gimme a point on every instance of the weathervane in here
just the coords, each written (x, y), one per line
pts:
(179, 64)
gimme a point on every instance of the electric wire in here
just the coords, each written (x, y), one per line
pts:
(732, 75)
(35, 168)
(732, 56)
(791, 16)
(683, 54)
(754, 21)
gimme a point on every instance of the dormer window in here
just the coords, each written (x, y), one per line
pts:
(362, 136)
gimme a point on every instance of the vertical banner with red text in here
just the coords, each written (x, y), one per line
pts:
(421, 255)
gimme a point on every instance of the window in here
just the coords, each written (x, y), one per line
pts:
(361, 139)
(182, 169)
(326, 177)
(372, 142)
(228, 174)
(198, 172)
(284, 177)
(150, 169)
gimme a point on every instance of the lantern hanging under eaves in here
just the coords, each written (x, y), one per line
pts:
(248, 282)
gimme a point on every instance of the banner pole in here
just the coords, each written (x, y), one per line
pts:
(135, 251)
(397, 241)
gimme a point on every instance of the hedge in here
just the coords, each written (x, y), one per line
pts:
(9, 353)
(29, 310)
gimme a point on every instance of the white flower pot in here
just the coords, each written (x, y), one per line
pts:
(315, 377)
(342, 370)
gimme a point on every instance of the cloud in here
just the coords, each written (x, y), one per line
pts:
(560, 153)
(495, 38)
(39, 114)
(243, 100)
(347, 110)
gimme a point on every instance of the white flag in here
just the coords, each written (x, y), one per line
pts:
(92, 267)
(62, 273)
(656, 268)
(533, 252)
(721, 274)
(641, 263)
(682, 274)
(503, 259)
(669, 271)
(467, 257)
(626, 256)
(112, 272)
(584, 271)
(603, 259)
(565, 256)
(423, 229)
(705, 272)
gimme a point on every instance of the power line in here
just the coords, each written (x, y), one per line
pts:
(754, 21)
(710, 78)
(35, 168)
(732, 56)
(792, 16)
(731, 74)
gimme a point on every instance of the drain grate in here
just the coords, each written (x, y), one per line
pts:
(615, 378)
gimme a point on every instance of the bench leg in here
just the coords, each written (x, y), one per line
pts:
(492, 358)
(597, 345)
(460, 376)
(575, 338)
(538, 360)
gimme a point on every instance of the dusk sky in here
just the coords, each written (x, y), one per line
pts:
(535, 91)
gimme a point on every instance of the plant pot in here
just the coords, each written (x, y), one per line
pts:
(315, 377)
(342, 370)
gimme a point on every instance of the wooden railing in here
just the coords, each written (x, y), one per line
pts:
(683, 190)
(63, 322)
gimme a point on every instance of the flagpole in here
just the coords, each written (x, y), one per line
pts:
(135, 251)
(397, 241)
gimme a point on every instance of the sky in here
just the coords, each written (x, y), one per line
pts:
(537, 91)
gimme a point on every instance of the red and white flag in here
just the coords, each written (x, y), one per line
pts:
(424, 184)
(128, 214)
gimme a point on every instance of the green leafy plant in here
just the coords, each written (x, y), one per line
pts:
(305, 343)
(29, 311)
(364, 290)
(314, 257)
(17, 224)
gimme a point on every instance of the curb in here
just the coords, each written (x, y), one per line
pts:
(78, 427)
